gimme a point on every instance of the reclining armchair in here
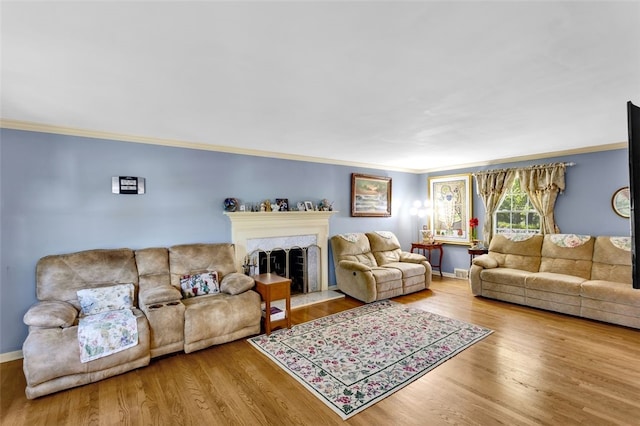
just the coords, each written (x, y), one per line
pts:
(373, 266)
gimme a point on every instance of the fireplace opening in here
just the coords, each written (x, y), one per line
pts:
(296, 263)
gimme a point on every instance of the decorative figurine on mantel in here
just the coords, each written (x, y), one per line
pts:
(325, 205)
(230, 204)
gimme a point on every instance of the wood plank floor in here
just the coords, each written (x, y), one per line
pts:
(537, 368)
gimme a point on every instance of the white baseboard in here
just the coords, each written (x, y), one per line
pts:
(10, 356)
(450, 275)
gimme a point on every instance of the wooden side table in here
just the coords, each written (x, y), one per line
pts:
(274, 287)
(428, 247)
(473, 252)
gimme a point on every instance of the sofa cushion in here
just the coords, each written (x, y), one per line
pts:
(523, 254)
(554, 283)
(354, 247)
(199, 284)
(59, 277)
(385, 247)
(408, 269)
(220, 318)
(102, 299)
(567, 254)
(187, 259)
(615, 292)
(612, 259)
(236, 283)
(508, 276)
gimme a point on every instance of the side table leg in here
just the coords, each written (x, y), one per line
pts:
(267, 316)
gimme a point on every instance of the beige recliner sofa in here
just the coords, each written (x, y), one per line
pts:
(578, 275)
(372, 266)
(167, 322)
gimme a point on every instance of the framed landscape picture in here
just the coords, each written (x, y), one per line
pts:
(451, 200)
(370, 195)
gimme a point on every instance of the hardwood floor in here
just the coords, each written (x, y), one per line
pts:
(536, 368)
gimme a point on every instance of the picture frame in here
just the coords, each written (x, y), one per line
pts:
(283, 204)
(452, 208)
(621, 202)
(308, 206)
(370, 196)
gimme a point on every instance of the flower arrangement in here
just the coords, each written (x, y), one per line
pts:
(473, 224)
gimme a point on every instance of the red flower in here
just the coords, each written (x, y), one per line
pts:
(473, 222)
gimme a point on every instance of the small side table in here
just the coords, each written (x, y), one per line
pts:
(274, 287)
(473, 252)
(428, 247)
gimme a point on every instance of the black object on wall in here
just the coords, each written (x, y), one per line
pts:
(633, 118)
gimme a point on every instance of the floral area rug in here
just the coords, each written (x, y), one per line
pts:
(353, 359)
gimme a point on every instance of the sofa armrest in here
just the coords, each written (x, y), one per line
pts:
(405, 256)
(353, 266)
(480, 263)
(485, 261)
(51, 314)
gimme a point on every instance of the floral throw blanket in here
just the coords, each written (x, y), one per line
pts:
(106, 333)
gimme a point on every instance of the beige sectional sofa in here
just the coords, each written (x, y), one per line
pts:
(579, 275)
(166, 321)
(372, 266)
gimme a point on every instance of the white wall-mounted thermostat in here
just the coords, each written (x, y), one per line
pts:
(127, 185)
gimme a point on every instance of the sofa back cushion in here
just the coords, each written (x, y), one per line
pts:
(59, 277)
(354, 247)
(612, 259)
(188, 259)
(567, 254)
(516, 251)
(385, 247)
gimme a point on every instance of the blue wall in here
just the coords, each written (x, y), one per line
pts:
(583, 208)
(56, 198)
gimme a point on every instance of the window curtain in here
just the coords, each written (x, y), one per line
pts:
(491, 186)
(543, 184)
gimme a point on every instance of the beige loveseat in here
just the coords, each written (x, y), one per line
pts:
(373, 266)
(166, 322)
(574, 274)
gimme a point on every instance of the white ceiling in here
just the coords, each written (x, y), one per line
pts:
(399, 85)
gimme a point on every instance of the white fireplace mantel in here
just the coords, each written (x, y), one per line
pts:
(250, 225)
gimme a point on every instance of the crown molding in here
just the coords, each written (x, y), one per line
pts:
(70, 131)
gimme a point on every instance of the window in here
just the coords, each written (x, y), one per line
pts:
(515, 213)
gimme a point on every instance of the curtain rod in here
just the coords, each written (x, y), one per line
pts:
(566, 164)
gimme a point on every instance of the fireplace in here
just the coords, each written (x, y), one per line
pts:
(300, 264)
(267, 231)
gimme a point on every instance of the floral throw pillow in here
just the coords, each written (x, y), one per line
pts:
(102, 299)
(199, 284)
